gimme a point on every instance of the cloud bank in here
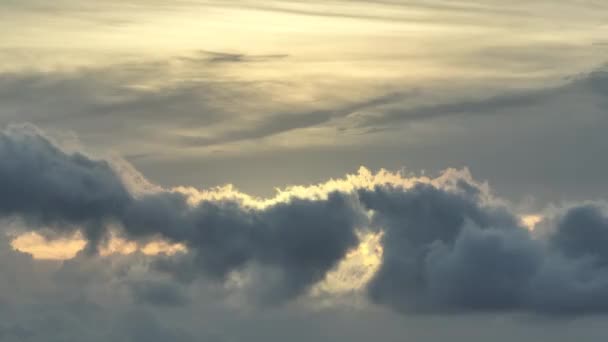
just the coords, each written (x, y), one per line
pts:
(448, 245)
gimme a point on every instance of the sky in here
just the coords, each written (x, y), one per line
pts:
(271, 170)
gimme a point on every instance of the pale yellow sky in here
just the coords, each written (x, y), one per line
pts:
(206, 80)
(410, 38)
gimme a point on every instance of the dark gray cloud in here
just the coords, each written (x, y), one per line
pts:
(83, 299)
(46, 186)
(302, 239)
(444, 251)
(449, 252)
(446, 248)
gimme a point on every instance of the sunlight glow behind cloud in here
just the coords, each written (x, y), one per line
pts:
(67, 248)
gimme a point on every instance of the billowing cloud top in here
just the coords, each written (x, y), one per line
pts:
(447, 244)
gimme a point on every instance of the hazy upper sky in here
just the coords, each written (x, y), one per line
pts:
(119, 117)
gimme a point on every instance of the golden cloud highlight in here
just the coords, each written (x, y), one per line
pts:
(362, 261)
(68, 247)
(363, 179)
(530, 221)
(356, 270)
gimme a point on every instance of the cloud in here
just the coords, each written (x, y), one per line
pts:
(447, 244)
(142, 326)
(506, 104)
(102, 94)
(279, 123)
(426, 239)
(302, 239)
(385, 11)
(367, 256)
(205, 56)
(193, 91)
(275, 124)
(450, 252)
(392, 116)
(583, 231)
(46, 186)
(158, 293)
